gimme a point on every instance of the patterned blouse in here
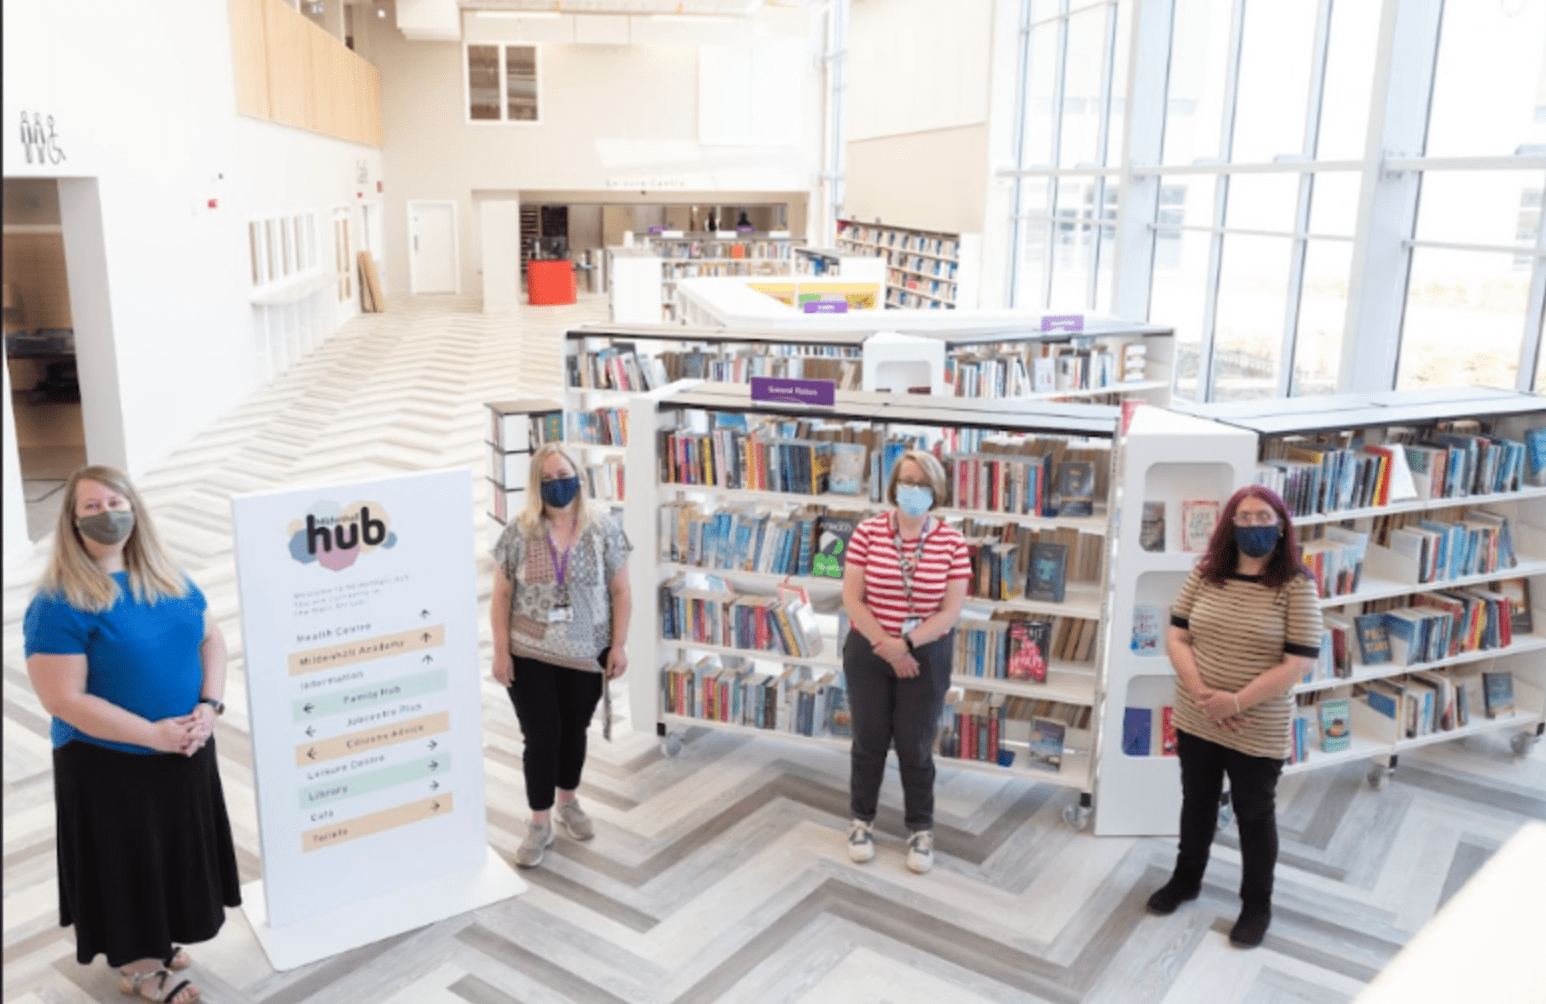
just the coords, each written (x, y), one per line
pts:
(527, 562)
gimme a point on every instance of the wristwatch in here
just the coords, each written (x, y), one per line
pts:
(219, 706)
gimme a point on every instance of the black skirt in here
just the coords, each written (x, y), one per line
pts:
(144, 849)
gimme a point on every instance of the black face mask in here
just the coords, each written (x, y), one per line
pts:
(1257, 541)
(110, 527)
(559, 492)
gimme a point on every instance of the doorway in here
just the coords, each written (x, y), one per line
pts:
(432, 256)
(40, 349)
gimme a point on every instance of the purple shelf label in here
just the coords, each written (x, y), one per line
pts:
(745, 230)
(826, 306)
(782, 391)
(1063, 322)
(657, 230)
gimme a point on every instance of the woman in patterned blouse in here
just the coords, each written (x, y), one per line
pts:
(1245, 627)
(560, 619)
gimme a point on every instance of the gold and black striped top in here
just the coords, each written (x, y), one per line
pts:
(1240, 630)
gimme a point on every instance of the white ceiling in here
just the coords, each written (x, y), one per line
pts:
(721, 8)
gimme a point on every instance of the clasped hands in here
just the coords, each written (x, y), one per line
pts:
(893, 649)
(1221, 706)
(185, 734)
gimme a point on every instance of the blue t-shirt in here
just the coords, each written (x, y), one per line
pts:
(142, 657)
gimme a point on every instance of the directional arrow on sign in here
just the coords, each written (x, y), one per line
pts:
(426, 636)
(426, 659)
(311, 730)
(311, 754)
(433, 744)
(434, 786)
(308, 708)
(434, 765)
(434, 806)
(424, 614)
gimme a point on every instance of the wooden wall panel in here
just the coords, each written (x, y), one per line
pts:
(34, 269)
(249, 53)
(291, 71)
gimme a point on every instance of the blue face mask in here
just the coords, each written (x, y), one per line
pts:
(914, 500)
(1257, 541)
(559, 492)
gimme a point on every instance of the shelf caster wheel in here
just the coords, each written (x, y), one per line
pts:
(1522, 743)
(671, 745)
(1226, 816)
(1378, 775)
(1076, 816)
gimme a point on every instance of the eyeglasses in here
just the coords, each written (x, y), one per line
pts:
(1267, 518)
(905, 483)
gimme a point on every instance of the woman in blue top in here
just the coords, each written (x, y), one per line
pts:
(124, 655)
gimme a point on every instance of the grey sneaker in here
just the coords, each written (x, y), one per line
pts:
(575, 821)
(920, 851)
(538, 839)
(861, 843)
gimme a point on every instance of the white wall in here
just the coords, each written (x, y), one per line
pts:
(143, 101)
(918, 113)
(609, 114)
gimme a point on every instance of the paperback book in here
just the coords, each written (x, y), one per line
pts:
(1046, 580)
(1029, 645)
(1373, 639)
(1075, 488)
(1046, 752)
(1148, 630)
(1151, 533)
(1198, 520)
(1336, 726)
(1498, 693)
(1135, 731)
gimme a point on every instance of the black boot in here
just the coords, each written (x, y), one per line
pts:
(1251, 928)
(1172, 894)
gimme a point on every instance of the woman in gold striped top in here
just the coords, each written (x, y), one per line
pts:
(1245, 627)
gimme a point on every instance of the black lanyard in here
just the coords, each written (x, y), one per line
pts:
(901, 560)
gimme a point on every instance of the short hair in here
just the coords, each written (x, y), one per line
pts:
(931, 468)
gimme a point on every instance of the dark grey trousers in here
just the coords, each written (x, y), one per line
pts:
(887, 712)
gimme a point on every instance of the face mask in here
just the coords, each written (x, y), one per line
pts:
(559, 492)
(914, 500)
(1257, 541)
(110, 527)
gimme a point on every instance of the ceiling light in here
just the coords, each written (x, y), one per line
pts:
(381, 12)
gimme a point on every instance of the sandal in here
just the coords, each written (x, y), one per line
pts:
(178, 960)
(130, 987)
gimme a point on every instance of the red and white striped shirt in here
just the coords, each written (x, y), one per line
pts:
(874, 548)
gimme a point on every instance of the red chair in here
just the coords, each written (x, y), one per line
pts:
(550, 282)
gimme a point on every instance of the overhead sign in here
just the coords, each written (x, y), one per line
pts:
(359, 623)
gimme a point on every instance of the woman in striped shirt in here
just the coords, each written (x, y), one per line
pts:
(1246, 626)
(903, 587)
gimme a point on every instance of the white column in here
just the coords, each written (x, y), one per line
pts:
(500, 221)
(1147, 87)
(17, 545)
(1387, 203)
(96, 350)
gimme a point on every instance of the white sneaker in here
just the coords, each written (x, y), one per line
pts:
(861, 844)
(531, 851)
(920, 851)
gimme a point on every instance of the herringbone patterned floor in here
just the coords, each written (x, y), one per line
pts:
(720, 875)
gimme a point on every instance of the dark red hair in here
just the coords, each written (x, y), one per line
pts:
(1223, 556)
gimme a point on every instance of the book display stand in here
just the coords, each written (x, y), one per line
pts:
(700, 604)
(925, 269)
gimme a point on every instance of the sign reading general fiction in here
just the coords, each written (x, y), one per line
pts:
(359, 622)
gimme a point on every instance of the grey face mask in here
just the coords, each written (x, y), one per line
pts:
(110, 527)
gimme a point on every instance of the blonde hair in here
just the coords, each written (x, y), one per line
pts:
(530, 518)
(931, 468)
(72, 574)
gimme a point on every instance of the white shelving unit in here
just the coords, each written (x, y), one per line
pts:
(644, 277)
(515, 430)
(1376, 737)
(925, 269)
(1172, 458)
(690, 403)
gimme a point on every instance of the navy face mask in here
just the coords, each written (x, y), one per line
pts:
(559, 492)
(1257, 541)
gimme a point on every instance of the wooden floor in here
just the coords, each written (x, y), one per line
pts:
(720, 875)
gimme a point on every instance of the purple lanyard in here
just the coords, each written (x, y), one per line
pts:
(561, 566)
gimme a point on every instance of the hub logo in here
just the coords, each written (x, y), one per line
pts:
(335, 536)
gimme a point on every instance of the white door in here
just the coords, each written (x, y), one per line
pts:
(432, 247)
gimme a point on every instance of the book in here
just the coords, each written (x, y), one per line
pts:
(1048, 572)
(1498, 693)
(1521, 620)
(1151, 533)
(1535, 457)
(1046, 751)
(1373, 639)
(1075, 488)
(1135, 731)
(1167, 731)
(1198, 520)
(1336, 726)
(1148, 630)
(832, 544)
(849, 461)
(1029, 643)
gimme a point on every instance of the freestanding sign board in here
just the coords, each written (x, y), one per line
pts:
(359, 627)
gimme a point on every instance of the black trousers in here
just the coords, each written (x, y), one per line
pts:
(1253, 785)
(887, 712)
(554, 706)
